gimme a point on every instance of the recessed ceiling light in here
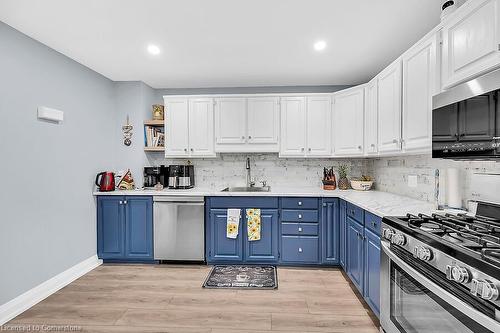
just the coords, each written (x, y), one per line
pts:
(153, 49)
(320, 45)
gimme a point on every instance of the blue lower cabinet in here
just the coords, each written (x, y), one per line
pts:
(355, 251)
(139, 228)
(300, 249)
(372, 270)
(265, 249)
(222, 248)
(342, 233)
(125, 228)
(330, 231)
(110, 227)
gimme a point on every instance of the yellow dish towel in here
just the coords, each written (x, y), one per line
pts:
(253, 224)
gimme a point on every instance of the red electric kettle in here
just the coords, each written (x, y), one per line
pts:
(106, 182)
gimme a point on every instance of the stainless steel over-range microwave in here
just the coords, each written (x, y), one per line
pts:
(466, 120)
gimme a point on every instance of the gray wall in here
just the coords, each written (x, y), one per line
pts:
(47, 214)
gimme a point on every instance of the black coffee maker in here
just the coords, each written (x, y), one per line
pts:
(155, 175)
(181, 176)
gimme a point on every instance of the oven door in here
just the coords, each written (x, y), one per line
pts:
(411, 303)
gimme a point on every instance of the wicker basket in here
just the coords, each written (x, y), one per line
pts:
(361, 185)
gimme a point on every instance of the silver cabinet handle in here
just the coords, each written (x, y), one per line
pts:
(121, 202)
(395, 141)
(300, 229)
(249, 136)
(300, 216)
(359, 147)
(309, 149)
(300, 250)
(302, 149)
(192, 149)
(373, 145)
(185, 149)
(300, 203)
(125, 202)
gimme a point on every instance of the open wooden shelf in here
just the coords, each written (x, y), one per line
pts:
(154, 122)
(157, 149)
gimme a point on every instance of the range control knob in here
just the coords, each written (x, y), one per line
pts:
(484, 289)
(422, 253)
(398, 239)
(388, 233)
(457, 274)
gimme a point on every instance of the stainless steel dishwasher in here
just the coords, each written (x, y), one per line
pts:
(179, 228)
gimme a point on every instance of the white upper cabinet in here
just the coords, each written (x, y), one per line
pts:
(318, 122)
(371, 118)
(389, 109)
(247, 124)
(471, 41)
(419, 85)
(306, 126)
(263, 120)
(348, 124)
(230, 121)
(201, 127)
(293, 129)
(189, 127)
(176, 127)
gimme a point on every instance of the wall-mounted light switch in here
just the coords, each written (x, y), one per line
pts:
(412, 181)
(49, 114)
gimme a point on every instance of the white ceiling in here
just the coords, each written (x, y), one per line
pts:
(227, 43)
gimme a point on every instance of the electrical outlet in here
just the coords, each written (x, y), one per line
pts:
(412, 181)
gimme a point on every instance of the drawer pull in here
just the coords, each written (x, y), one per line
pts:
(300, 203)
(300, 250)
(374, 224)
(300, 216)
(121, 202)
(300, 229)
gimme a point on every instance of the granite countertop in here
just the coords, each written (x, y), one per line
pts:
(376, 202)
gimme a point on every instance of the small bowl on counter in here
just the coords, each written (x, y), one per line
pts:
(361, 185)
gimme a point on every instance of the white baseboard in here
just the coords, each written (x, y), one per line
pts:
(25, 301)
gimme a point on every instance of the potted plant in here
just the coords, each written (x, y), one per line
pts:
(343, 181)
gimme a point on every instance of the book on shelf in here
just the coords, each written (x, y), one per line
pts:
(154, 136)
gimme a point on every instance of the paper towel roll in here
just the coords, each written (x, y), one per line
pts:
(453, 190)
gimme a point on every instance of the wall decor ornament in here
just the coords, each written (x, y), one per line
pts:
(158, 112)
(127, 133)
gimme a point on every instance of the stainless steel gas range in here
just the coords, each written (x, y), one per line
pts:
(441, 273)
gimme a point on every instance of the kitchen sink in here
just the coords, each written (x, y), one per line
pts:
(247, 189)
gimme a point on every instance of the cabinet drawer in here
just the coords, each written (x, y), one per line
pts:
(373, 222)
(300, 249)
(296, 215)
(298, 229)
(299, 203)
(355, 212)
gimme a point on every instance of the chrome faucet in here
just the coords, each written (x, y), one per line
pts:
(250, 182)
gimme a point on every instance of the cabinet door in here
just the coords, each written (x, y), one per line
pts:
(231, 121)
(355, 253)
(201, 127)
(318, 126)
(176, 127)
(389, 109)
(139, 227)
(293, 127)
(223, 248)
(371, 118)
(349, 122)
(470, 41)
(343, 233)
(419, 81)
(263, 120)
(477, 118)
(110, 227)
(330, 231)
(372, 271)
(265, 249)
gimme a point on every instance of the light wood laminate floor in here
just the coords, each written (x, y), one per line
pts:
(166, 298)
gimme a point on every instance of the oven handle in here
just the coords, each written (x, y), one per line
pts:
(463, 307)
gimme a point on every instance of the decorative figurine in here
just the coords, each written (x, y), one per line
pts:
(127, 133)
